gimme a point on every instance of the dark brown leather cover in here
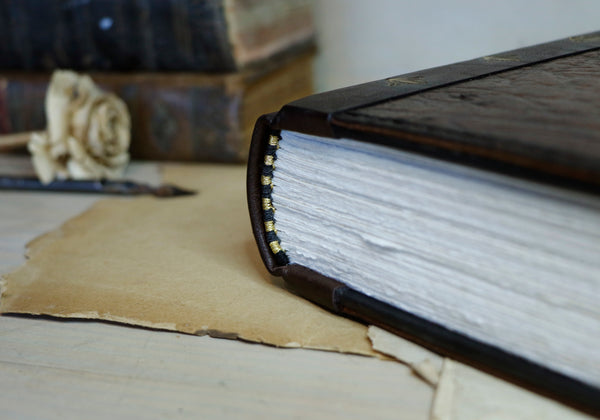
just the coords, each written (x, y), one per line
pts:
(532, 112)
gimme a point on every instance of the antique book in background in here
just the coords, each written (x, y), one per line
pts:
(153, 35)
(457, 206)
(194, 75)
(176, 116)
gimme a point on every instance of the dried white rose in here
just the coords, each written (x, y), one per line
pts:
(88, 131)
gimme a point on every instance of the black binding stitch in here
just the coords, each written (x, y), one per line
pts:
(268, 210)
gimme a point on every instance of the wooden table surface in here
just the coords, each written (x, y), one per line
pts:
(81, 369)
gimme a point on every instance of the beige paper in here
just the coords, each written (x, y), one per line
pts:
(444, 397)
(424, 363)
(465, 393)
(188, 264)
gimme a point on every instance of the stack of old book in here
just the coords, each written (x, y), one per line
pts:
(195, 75)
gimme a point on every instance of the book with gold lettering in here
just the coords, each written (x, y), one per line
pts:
(458, 206)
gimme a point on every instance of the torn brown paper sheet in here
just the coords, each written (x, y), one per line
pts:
(188, 264)
(464, 393)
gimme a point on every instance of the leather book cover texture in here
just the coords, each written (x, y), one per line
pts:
(532, 113)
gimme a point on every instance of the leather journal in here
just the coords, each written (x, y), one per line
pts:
(522, 126)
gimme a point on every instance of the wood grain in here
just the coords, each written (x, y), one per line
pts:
(53, 370)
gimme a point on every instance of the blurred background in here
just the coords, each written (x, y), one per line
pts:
(366, 40)
(195, 75)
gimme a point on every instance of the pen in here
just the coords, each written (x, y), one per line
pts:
(121, 187)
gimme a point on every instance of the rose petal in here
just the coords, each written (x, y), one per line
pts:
(118, 161)
(43, 163)
(62, 92)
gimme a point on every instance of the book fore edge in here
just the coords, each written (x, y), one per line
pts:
(268, 210)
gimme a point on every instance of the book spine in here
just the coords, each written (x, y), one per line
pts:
(113, 35)
(188, 122)
(172, 119)
(22, 105)
(313, 286)
(175, 116)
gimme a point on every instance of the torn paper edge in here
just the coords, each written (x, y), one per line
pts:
(425, 364)
(443, 400)
(3, 286)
